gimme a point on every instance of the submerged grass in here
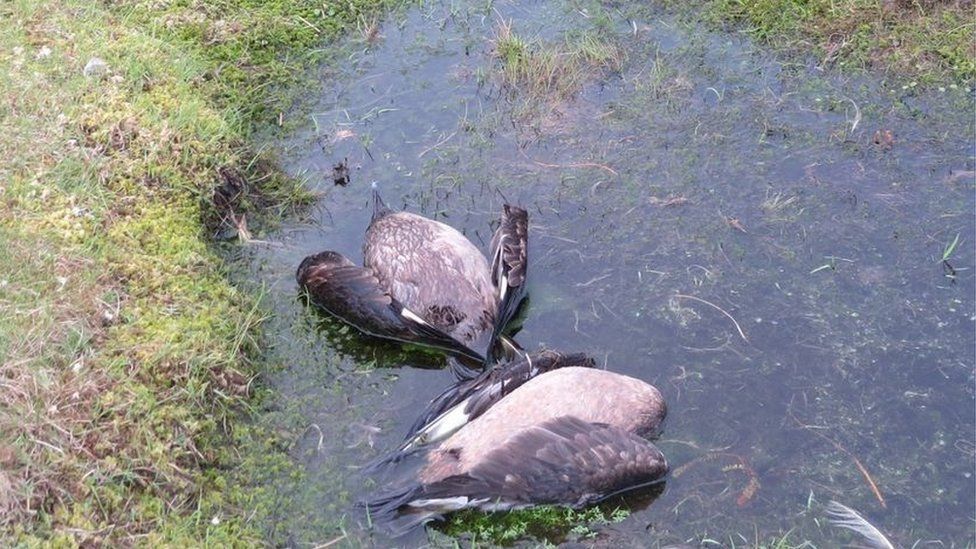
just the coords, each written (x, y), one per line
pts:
(124, 350)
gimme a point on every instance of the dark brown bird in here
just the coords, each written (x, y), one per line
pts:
(572, 437)
(423, 282)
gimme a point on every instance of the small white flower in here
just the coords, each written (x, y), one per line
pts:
(44, 52)
(215, 520)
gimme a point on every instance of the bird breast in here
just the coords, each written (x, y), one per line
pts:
(593, 396)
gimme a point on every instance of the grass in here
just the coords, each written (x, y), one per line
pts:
(542, 75)
(778, 207)
(931, 40)
(950, 248)
(125, 353)
(663, 83)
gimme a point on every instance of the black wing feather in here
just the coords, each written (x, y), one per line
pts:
(481, 393)
(509, 253)
(509, 376)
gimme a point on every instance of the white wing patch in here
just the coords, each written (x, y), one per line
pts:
(444, 426)
(442, 504)
(410, 315)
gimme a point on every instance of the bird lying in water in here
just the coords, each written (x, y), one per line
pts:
(464, 401)
(572, 437)
(424, 282)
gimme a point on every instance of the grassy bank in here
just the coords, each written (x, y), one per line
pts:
(123, 347)
(931, 40)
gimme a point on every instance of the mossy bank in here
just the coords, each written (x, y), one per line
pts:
(123, 346)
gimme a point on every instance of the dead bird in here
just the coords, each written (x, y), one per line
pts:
(468, 399)
(424, 282)
(571, 437)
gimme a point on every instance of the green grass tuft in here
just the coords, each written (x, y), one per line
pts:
(931, 40)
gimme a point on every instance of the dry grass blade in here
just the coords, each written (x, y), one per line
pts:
(857, 463)
(719, 309)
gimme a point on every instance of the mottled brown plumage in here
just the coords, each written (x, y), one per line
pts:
(509, 253)
(593, 396)
(434, 271)
(355, 295)
(436, 281)
(572, 436)
(563, 460)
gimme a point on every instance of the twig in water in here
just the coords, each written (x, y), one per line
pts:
(574, 165)
(591, 281)
(332, 542)
(438, 144)
(860, 466)
(719, 309)
(857, 116)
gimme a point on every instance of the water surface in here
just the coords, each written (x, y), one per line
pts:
(759, 239)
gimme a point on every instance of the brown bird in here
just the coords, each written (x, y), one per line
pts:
(465, 400)
(424, 282)
(571, 437)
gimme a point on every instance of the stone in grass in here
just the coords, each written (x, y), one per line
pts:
(96, 66)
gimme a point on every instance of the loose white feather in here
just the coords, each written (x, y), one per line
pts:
(843, 516)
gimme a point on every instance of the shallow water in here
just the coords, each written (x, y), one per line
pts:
(821, 343)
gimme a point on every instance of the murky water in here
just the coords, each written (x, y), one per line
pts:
(761, 241)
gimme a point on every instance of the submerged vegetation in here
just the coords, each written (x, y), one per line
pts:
(123, 347)
(543, 523)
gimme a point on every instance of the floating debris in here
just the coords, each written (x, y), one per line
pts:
(669, 201)
(884, 139)
(340, 173)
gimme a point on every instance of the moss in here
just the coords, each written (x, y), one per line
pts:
(552, 524)
(126, 352)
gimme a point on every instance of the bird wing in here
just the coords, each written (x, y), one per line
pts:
(474, 397)
(354, 294)
(563, 461)
(466, 400)
(509, 265)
